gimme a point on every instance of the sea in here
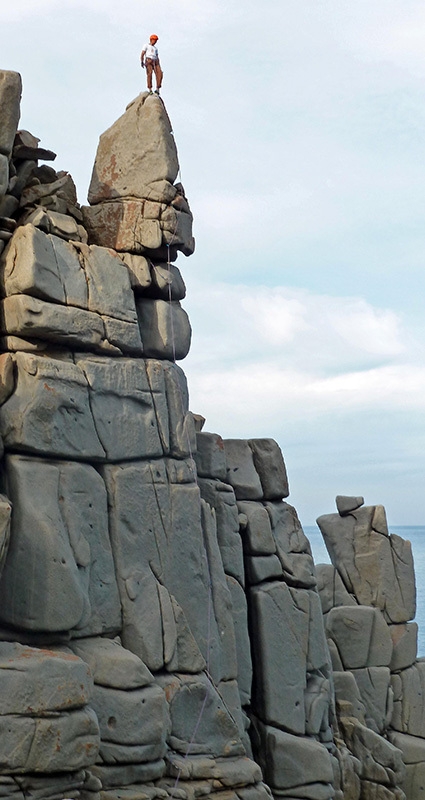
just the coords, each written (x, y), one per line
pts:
(416, 535)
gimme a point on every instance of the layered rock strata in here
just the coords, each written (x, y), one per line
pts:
(163, 629)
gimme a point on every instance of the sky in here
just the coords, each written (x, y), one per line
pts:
(300, 130)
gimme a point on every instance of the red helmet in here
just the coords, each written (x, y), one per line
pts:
(153, 36)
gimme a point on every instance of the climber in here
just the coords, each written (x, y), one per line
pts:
(149, 57)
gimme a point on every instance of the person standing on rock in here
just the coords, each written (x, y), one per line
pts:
(149, 58)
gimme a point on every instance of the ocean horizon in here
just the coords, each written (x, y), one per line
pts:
(416, 535)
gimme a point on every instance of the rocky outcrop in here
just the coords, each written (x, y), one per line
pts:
(368, 603)
(163, 629)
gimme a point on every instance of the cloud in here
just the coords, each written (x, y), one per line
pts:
(262, 350)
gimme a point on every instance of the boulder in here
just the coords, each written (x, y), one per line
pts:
(361, 636)
(220, 496)
(75, 566)
(30, 744)
(262, 568)
(241, 472)
(280, 619)
(10, 107)
(167, 283)
(111, 664)
(35, 682)
(376, 568)
(138, 270)
(409, 708)
(164, 328)
(136, 151)
(346, 504)
(376, 695)
(405, 645)
(256, 534)
(243, 643)
(270, 466)
(215, 733)
(331, 589)
(293, 762)
(292, 546)
(4, 175)
(132, 717)
(347, 695)
(210, 456)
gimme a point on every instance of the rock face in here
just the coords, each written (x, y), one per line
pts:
(368, 602)
(163, 629)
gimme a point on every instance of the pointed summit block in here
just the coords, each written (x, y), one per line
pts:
(135, 205)
(138, 150)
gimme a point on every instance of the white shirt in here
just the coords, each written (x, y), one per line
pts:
(151, 51)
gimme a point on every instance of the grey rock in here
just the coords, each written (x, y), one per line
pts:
(409, 709)
(381, 762)
(269, 463)
(122, 227)
(221, 658)
(29, 266)
(156, 534)
(348, 697)
(4, 174)
(331, 588)
(181, 426)
(262, 568)
(107, 295)
(164, 328)
(45, 787)
(122, 335)
(121, 776)
(405, 645)
(221, 498)
(412, 747)
(229, 693)
(374, 687)
(122, 406)
(317, 701)
(241, 472)
(215, 733)
(243, 644)
(318, 652)
(10, 100)
(289, 762)
(5, 514)
(116, 753)
(75, 567)
(29, 744)
(257, 535)
(292, 546)
(23, 316)
(111, 664)
(337, 664)
(35, 682)
(280, 625)
(361, 636)
(49, 268)
(136, 717)
(139, 271)
(8, 204)
(375, 567)
(346, 504)
(167, 283)
(136, 151)
(210, 456)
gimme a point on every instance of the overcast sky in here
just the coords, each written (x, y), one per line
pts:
(300, 128)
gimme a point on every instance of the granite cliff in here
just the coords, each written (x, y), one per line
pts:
(164, 631)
